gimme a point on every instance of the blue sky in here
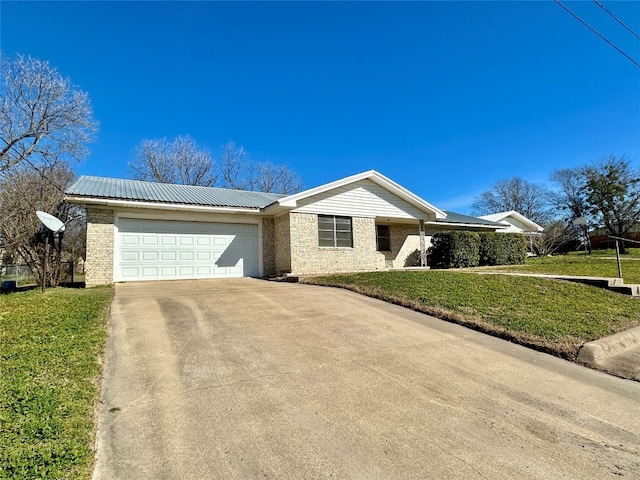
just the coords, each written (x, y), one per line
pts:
(446, 98)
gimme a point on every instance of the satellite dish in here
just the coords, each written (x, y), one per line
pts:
(52, 223)
(580, 221)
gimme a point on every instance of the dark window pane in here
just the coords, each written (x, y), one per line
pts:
(346, 242)
(383, 237)
(322, 242)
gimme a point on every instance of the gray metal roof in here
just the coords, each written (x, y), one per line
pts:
(137, 190)
(453, 217)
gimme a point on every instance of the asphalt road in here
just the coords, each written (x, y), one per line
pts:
(248, 379)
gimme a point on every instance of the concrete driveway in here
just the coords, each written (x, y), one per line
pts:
(244, 379)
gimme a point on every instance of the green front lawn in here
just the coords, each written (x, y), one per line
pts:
(50, 348)
(551, 315)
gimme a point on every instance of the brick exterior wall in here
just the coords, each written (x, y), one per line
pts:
(282, 237)
(100, 244)
(404, 240)
(268, 247)
(307, 257)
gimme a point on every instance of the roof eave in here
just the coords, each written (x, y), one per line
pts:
(466, 225)
(117, 203)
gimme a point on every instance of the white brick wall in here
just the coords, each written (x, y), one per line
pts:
(100, 243)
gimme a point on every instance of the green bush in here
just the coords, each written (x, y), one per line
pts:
(459, 249)
(455, 249)
(498, 248)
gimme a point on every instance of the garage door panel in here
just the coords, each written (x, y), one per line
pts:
(156, 250)
(149, 272)
(186, 271)
(168, 240)
(130, 256)
(129, 272)
(130, 240)
(169, 271)
(149, 240)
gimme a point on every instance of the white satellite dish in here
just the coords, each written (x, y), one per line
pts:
(52, 223)
(580, 221)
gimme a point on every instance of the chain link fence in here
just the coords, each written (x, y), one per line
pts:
(18, 276)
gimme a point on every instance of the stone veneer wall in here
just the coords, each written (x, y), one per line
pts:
(100, 243)
(405, 240)
(268, 247)
(307, 257)
(282, 238)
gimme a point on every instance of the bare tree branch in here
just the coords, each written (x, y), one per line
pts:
(180, 161)
(22, 192)
(44, 119)
(526, 198)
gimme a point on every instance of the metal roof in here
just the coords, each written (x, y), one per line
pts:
(453, 217)
(137, 190)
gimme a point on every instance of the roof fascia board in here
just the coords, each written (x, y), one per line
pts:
(292, 200)
(157, 206)
(474, 225)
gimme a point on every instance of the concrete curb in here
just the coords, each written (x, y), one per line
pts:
(617, 354)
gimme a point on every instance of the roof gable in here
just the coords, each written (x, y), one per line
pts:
(386, 198)
(515, 219)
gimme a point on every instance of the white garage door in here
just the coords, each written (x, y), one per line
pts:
(166, 250)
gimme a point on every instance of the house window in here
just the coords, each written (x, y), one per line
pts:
(382, 238)
(334, 231)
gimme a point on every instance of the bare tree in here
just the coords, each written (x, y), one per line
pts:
(569, 199)
(528, 199)
(569, 196)
(234, 161)
(556, 235)
(44, 119)
(23, 191)
(179, 161)
(238, 172)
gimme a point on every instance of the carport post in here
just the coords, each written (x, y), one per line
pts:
(423, 251)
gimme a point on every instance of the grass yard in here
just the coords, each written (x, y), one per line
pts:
(550, 315)
(50, 349)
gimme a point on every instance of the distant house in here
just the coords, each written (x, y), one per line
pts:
(515, 222)
(518, 223)
(151, 231)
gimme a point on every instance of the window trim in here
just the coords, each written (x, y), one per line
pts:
(335, 230)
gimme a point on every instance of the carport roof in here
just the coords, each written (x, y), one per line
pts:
(137, 190)
(453, 217)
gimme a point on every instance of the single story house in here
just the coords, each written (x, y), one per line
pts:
(152, 231)
(515, 222)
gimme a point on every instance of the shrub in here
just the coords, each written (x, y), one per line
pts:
(502, 248)
(458, 249)
(455, 249)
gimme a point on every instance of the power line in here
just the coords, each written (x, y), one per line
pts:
(617, 19)
(598, 33)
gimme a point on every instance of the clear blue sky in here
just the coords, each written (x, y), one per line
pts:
(446, 98)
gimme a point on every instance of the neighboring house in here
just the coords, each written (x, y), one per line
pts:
(515, 222)
(151, 231)
(518, 223)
